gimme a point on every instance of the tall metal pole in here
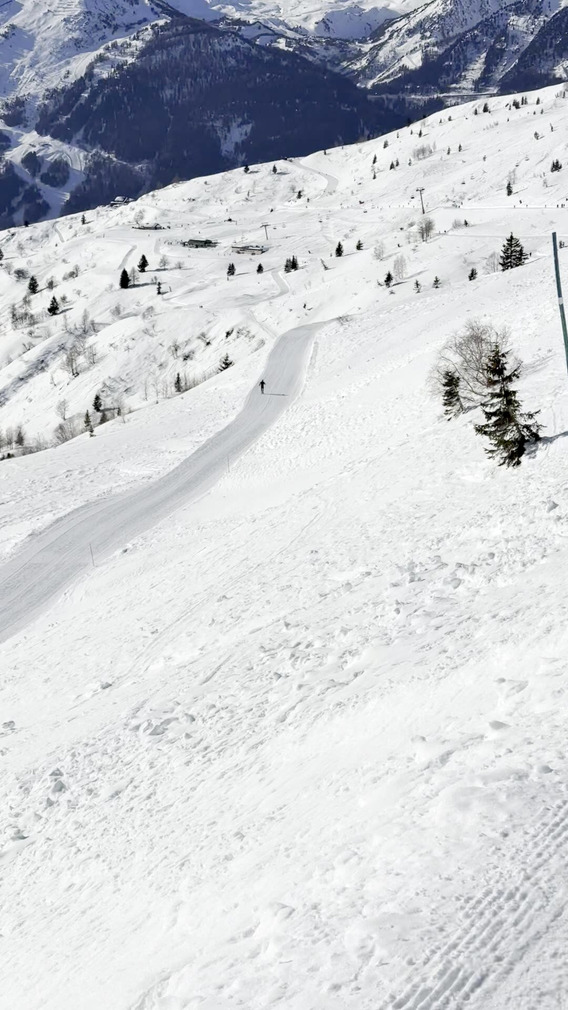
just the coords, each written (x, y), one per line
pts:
(421, 190)
(560, 298)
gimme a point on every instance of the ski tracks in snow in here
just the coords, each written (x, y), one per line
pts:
(499, 925)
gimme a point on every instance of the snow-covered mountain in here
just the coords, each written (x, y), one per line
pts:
(44, 42)
(457, 45)
(182, 99)
(284, 673)
(99, 98)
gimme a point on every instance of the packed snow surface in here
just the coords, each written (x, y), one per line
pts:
(295, 735)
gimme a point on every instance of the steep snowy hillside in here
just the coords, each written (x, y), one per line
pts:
(284, 673)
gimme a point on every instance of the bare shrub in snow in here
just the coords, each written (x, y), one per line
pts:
(65, 431)
(491, 265)
(91, 355)
(426, 228)
(423, 151)
(86, 324)
(61, 408)
(466, 355)
(379, 250)
(399, 268)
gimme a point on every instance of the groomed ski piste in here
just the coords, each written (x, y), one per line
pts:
(283, 693)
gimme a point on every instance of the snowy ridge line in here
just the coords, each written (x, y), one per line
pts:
(505, 918)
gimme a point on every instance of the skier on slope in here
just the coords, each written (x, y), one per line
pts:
(262, 384)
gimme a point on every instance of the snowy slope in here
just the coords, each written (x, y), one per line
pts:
(302, 742)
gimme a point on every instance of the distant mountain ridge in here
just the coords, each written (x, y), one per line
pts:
(107, 97)
(182, 98)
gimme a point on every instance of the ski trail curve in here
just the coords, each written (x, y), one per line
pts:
(49, 561)
(331, 180)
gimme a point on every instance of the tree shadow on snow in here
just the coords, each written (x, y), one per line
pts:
(544, 442)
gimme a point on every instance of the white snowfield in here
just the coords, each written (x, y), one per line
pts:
(298, 738)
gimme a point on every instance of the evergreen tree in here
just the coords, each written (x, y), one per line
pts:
(142, 264)
(472, 274)
(556, 165)
(124, 279)
(507, 429)
(177, 384)
(436, 282)
(512, 254)
(339, 249)
(359, 245)
(451, 393)
(1, 255)
(260, 269)
(294, 263)
(231, 270)
(33, 286)
(509, 188)
(88, 423)
(274, 170)
(388, 280)
(53, 307)
(97, 403)
(246, 169)
(225, 363)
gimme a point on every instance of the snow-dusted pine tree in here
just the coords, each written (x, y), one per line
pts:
(451, 394)
(507, 429)
(512, 254)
